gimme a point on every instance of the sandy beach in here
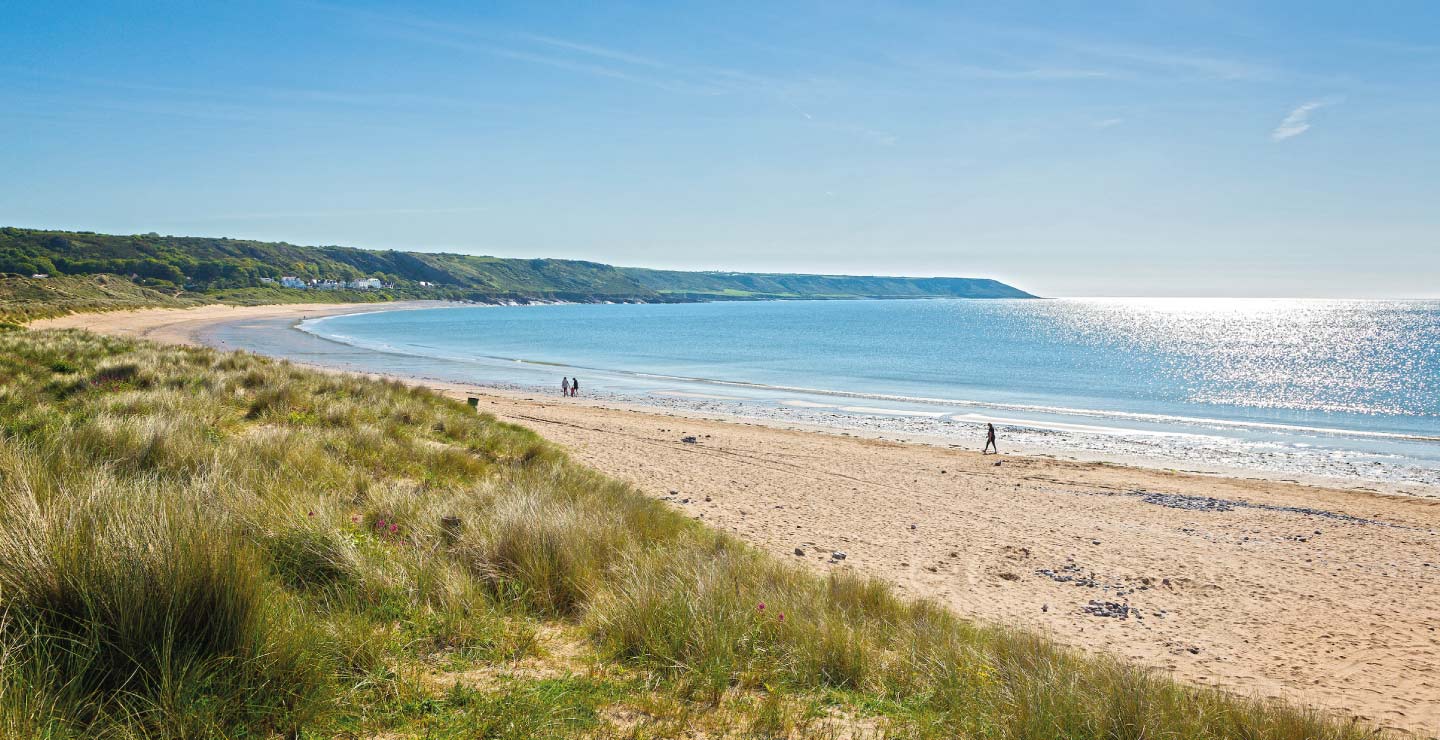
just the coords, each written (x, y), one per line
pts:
(1325, 596)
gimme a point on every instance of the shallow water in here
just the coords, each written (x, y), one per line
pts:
(1336, 388)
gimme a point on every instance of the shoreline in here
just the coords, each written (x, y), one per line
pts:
(1151, 441)
(197, 326)
(1322, 595)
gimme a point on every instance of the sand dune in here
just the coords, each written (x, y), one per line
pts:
(1324, 596)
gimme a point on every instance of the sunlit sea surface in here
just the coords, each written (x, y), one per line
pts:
(1310, 387)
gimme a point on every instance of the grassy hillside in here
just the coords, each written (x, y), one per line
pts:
(196, 544)
(24, 299)
(237, 269)
(782, 285)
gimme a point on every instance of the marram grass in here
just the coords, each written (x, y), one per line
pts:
(196, 544)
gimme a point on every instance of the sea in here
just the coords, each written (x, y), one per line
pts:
(1295, 389)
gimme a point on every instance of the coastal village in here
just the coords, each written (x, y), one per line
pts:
(290, 281)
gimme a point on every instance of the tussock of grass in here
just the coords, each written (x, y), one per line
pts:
(195, 544)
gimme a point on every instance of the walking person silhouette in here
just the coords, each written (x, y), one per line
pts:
(990, 440)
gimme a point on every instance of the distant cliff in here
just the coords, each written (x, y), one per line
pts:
(759, 285)
(241, 270)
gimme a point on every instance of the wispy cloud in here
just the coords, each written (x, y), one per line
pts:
(1032, 73)
(1191, 64)
(1108, 123)
(593, 50)
(581, 64)
(530, 48)
(592, 59)
(1298, 122)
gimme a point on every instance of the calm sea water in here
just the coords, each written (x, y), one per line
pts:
(1348, 388)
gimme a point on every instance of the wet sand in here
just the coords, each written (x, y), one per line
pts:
(1325, 596)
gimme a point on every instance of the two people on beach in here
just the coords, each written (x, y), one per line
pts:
(990, 441)
(570, 387)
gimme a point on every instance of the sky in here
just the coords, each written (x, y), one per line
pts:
(1195, 148)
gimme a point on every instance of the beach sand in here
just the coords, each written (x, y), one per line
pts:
(1325, 596)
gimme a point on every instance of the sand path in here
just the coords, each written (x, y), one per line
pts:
(1336, 612)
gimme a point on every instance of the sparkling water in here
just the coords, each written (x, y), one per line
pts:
(1335, 388)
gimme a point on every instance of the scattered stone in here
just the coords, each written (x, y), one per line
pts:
(837, 555)
(1094, 542)
(1211, 504)
(1110, 609)
(1188, 503)
(800, 552)
(997, 463)
(1193, 650)
(689, 440)
(1045, 608)
(912, 527)
(1008, 576)
(1069, 573)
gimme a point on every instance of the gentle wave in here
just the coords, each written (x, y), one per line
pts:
(310, 326)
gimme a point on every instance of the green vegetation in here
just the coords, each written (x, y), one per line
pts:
(26, 299)
(782, 285)
(199, 544)
(244, 271)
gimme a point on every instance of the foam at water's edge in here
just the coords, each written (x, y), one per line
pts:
(309, 326)
(1395, 464)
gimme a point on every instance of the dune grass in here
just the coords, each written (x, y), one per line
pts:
(196, 544)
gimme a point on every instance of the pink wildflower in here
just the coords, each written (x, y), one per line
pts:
(760, 607)
(782, 616)
(394, 528)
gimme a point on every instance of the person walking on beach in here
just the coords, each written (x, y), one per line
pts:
(575, 387)
(565, 386)
(990, 439)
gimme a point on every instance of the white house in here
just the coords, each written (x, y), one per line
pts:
(290, 281)
(366, 284)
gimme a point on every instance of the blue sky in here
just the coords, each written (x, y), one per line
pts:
(1159, 148)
